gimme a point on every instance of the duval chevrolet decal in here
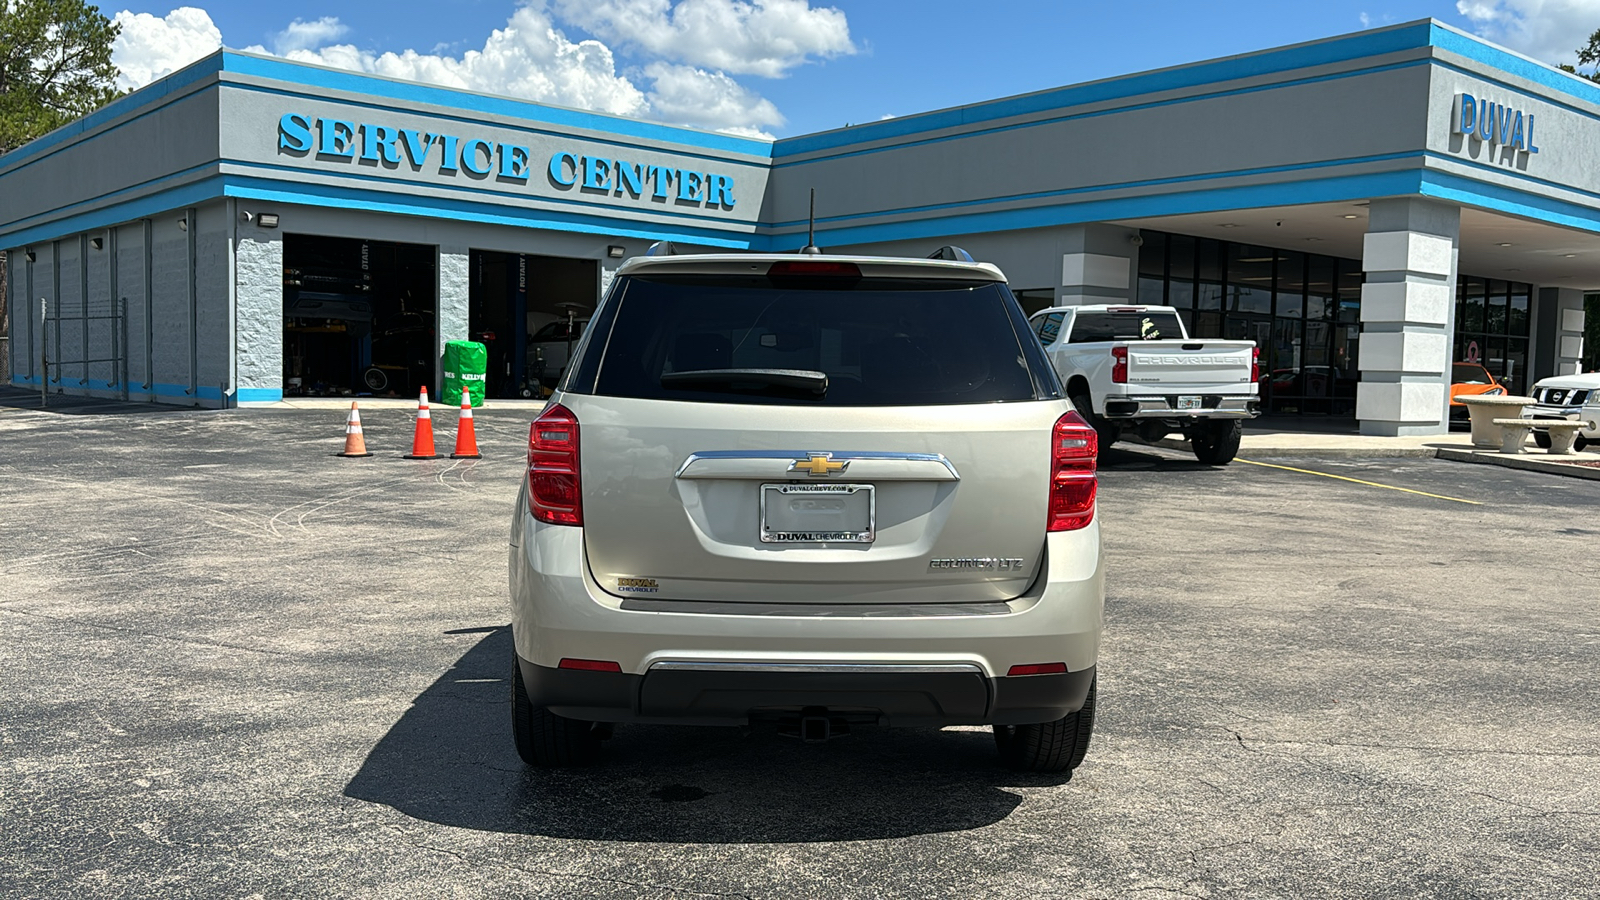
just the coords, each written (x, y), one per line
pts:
(1487, 120)
(337, 139)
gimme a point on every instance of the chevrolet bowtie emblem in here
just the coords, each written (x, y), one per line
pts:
(818, 464)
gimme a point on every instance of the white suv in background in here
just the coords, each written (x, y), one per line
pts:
(821, 492)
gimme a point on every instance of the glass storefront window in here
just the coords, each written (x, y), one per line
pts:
(1291, 284)
(1470, 308)
(1152, 291)
(1250, 279)
(1499, 297)
(1180, 294)
(1517, 317)
(1153, 254)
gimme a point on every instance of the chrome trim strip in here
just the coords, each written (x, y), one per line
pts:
(837, 455)
(834, 668)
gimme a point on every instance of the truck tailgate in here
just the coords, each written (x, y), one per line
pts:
(1190, 364)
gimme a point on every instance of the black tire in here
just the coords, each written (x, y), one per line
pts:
(375, 379)
(1578, 443)
(1057, 746)
(1542, 440)
(545, 739)
(1216, 443)
(1108, 432)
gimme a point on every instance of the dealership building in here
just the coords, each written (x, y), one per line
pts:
(1368, 208)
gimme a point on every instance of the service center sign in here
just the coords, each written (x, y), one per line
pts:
(448, 154)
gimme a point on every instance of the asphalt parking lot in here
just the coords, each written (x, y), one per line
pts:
(235, 665)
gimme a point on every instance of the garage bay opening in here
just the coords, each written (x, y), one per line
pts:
(529, 311)
(359, 317)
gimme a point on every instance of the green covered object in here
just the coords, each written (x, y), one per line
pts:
(465, 366)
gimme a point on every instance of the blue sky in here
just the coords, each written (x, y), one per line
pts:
(781, 67)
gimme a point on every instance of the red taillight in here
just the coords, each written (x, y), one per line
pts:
(791, 268)
(590, 665)
(1255, 363)
(1039, 669)
(554, 494)
(1119, 365)
(1074, 450)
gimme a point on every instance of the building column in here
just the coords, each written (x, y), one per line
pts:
(1097, 264)
(1407, 316)
(455, 283)
(1558, 321)
(258, 295)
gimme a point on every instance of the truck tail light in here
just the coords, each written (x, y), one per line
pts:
(1119, 365)
(1074, 451)
(1255, 364)
(554, 493)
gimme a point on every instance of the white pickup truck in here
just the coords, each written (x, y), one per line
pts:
(1136, 368)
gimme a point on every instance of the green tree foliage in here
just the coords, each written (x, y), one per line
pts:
(1588, 55)
(55, 66)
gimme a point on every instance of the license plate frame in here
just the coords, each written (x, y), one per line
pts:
(1190, 401)
(780, 525)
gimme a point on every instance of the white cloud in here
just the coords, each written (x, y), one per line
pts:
(303, 35)
(708, 100)
(531, 58)
(149, 47)
(745, 37)
(1547, 30)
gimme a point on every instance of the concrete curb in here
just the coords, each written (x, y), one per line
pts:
(1246, 449)
(1517, 461)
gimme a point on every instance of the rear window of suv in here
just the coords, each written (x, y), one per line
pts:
(878, 342)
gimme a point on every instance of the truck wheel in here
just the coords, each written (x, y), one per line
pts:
(1542, 440)
(545, 739)
(1216, 443)
(1057, 746)
(1108, 432)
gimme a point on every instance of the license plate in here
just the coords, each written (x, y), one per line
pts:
(818, 514)
(1189, 403)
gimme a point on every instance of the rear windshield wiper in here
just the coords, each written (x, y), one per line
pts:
(807, 380)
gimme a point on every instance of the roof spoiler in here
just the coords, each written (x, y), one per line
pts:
(951, 253)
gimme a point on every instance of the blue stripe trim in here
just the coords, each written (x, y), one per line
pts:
(1410, 36)
(415, 92)
(148, 110)
(1520, 92)
(469, 189)
(142, 186)
(136, 390)
(1326, 190)
(143, 207)
(1446, 38)
(258, 395)
(150, 95)
(1153, 182)
(1136, 107)
(1470, 192)
(250, 188)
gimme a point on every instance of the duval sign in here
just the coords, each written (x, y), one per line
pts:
(477, 158)
(1500, 125)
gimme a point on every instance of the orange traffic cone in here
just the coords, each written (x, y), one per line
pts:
(422, 440)
(466, 435)
(354, 443)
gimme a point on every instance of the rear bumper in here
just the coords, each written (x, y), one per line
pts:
(1213, 406)
(730, 694)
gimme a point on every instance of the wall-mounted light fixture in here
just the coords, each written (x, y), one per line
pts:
(616, 252)
(97, 243)
(183, 224)
(267, 220)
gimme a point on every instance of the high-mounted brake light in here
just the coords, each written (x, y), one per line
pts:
(1119, 365)
(590, 665)
(1255, 363)
(1074, 452)
(1056, 668)
(554, 492)
(826, 269)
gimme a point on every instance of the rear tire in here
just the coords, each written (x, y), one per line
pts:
(1541, 439)
(1108, 432)
(545, 739)
(1057, 746)
(1216, 443)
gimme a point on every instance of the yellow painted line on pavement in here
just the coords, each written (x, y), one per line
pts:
(1387, 487)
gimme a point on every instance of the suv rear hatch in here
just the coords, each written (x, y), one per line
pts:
(832, 432)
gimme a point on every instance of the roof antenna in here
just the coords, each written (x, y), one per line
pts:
(811, 248)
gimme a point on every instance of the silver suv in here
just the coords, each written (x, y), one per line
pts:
(819, 492)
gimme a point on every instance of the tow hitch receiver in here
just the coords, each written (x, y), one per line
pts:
(813, 726)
